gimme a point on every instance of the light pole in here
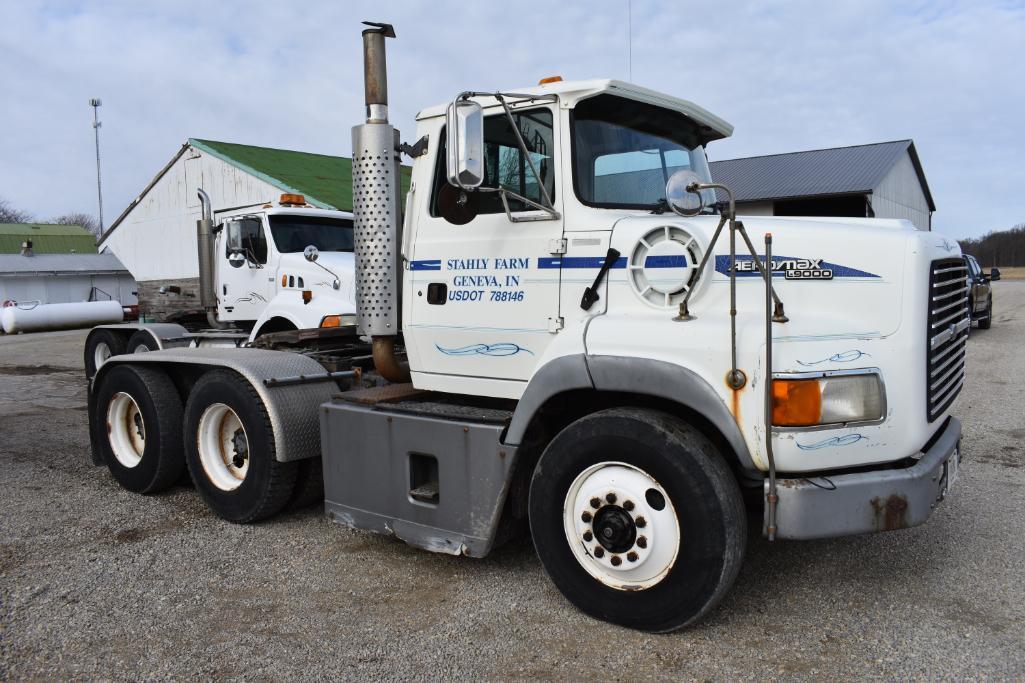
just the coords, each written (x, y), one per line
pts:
(95, 104)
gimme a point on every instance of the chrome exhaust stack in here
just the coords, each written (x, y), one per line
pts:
(205, 253)
(376, 210)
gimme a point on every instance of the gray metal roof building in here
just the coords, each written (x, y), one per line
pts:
(65, 278)
(882, 180)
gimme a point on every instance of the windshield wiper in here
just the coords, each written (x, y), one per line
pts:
(660, 207)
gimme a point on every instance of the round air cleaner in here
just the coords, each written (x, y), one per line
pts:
(664, 265)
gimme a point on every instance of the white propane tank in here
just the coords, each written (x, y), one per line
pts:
(36, 317)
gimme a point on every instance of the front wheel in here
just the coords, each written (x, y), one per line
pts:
(637, 519)
(230, 452)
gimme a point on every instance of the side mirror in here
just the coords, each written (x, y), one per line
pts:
(682, 194)
(311, 253)
(994, 273)
(465, 155)
(236, 259)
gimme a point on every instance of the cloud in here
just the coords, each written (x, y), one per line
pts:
(798, 76)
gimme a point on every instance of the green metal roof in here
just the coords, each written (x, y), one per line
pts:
(326, 181)
(46, 238)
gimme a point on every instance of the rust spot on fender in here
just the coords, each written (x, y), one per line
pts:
(890, 514)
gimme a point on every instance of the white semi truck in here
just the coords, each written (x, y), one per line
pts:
(255, 278)
(564, 329)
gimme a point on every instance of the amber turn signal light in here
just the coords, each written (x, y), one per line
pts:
(331, 321)
(796, 402)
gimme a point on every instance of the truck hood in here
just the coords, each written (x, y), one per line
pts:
(836, 276)
(340, 263)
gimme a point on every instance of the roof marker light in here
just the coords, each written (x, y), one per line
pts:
(549, 79)
(291, 199)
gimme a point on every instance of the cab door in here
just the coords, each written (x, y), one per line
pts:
(484, 292)
(244, 283)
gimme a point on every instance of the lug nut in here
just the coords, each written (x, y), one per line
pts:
(599, 552)
(642, 541)
(586, 516)
(611, 498)
(596, 502)
(616, 561)
(632, 556)
(588, 536)
(640, 522)
(628, 505)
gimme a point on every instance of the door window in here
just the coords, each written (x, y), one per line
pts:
(246, 235)
(505, 165)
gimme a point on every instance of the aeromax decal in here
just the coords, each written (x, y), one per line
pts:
(791, 268)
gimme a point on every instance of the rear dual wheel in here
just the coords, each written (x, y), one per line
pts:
(637, 519)
(140, 411)
(99, 347)
(229, 450)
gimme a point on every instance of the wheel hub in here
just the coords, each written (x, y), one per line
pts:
(240, 448)
(621, 526)
(615, 529)
(223, 446)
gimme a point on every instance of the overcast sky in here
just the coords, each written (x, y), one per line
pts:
(793, 76)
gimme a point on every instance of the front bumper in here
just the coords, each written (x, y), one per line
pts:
(825, 506)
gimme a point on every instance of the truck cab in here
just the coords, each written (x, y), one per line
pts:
(265, 282)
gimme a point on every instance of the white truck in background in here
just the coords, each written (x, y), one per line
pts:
(564, 330)
(263, 269)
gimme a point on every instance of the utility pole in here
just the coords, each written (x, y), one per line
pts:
(95, 104)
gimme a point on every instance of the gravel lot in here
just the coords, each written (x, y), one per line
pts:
(96, 582)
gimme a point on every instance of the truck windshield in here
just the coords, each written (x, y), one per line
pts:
(624, 152)
(294, 233)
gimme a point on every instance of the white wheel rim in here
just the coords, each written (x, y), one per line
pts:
(126, 430)
(100, 354)
(141, 348)
(613, 497)
(223, 447)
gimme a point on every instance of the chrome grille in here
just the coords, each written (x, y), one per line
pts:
(947, 334)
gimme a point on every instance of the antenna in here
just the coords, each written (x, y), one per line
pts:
(95, 104)
(630, 37)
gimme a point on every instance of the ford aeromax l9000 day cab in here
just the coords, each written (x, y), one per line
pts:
(563, 329)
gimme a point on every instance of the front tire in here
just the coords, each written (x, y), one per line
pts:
(230, 451)
(140, 412)
(637, 519)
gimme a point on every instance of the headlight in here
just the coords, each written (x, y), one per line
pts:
(827, 400)
(338, 320)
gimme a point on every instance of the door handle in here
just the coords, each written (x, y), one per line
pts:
(590, 296)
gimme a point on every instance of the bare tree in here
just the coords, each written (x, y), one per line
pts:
(85, 220)
(1004, 248)
(9, 214)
